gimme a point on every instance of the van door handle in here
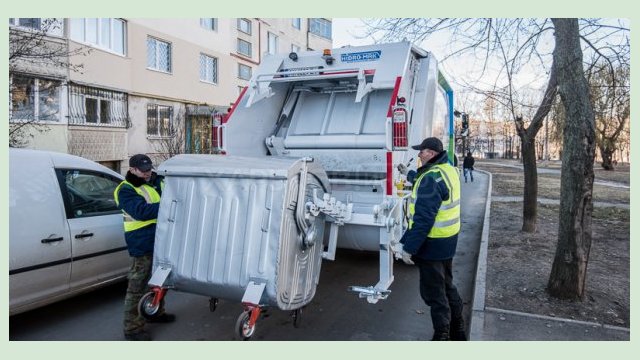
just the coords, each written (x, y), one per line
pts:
(80, 236)
(50, 240)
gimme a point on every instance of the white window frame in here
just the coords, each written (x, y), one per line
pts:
(240, 41)
(320, 27)
(99, 108)
(55, 28)
(247, 26)
(272, 43)
(243, 66)
(159, 134)
(156, 66)
(296, 23)
(99, 43)
(210, 24)
(210, 75)
(35, 106)
(295, 48)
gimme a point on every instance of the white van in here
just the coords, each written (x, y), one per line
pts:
(65, 231)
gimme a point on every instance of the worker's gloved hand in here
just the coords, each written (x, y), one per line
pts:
(403, 169)
(406, 257)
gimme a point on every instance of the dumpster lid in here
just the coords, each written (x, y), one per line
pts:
(228, 166)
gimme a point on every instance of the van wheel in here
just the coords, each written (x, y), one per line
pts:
(146, 308)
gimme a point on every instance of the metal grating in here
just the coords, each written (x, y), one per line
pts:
(97, 107)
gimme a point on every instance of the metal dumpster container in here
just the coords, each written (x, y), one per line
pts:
(228, 222)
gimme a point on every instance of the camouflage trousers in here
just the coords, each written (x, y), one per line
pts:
(139, 275)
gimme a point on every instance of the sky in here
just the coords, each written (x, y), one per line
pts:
(460, 69)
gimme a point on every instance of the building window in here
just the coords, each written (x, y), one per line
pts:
(104, 33)
(51, 26)
(209, 23)
(244, 25)
(159, 119)
(158, 55)
(244, 72)
(295, 48)
(97, 107)
(272, 43)
(320, 27)
(208, 69)
(244, 47)
(34, 99)
(295, 22)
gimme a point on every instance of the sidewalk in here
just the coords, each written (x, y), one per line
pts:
(491, 324)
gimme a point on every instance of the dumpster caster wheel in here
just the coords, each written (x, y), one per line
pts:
(146, 307)
(243, 330)
(297, 317)
(213, 304)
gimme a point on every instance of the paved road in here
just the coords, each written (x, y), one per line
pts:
(334, 313)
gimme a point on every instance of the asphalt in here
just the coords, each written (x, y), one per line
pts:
(491, 324)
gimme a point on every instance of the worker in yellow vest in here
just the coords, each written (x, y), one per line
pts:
(431, 239)
(139, 199)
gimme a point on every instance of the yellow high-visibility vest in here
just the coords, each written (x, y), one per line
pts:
(150, 195)
(447, 222)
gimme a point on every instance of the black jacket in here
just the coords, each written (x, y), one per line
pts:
(468, 162)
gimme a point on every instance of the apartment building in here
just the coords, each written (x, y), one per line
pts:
(107, 88)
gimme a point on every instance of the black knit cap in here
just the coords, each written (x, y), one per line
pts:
(431, 143)
(141, 162)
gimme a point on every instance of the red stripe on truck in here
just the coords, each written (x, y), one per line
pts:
(234, 106)
(394, 97)
(389, 173)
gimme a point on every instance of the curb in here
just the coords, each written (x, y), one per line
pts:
(479, 289)
(558, 319)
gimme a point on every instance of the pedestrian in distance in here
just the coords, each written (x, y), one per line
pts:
(467, 166)
(432, 236)
(138, 196)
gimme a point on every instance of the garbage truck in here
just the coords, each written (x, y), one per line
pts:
(312, 143)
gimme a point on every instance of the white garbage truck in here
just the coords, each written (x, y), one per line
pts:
(356, 111)
(243, 226)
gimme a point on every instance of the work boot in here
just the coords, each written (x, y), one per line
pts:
(457, 330)
(138, 336)
(164, 318)
(440, 335)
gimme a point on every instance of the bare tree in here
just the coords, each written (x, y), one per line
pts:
(175, 141)
(32, 51)
(518, 42)
(556, 124)
(513, 43)
(610, 94)
(569, 269)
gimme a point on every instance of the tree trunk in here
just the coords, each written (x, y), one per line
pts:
(607, 158)
(530, 201)
(568, 273)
